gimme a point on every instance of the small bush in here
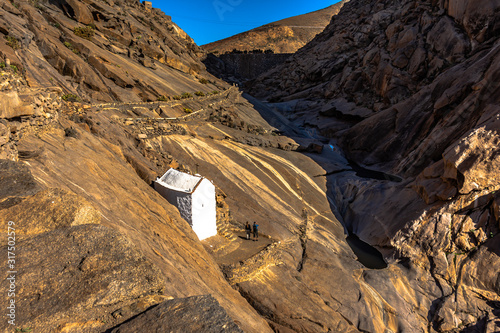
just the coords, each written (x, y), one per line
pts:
(2, 64)
(162, 98)
(35, 4)
(186, 95)
(70, 98)
(203, 81)
(55, 25)
(69, 46)
(215, 92)
(14, 68)
(177, 97)
(84, 32)
(187, 110)
(199, 93)
(12, 42)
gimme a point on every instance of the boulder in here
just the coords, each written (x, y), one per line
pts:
(78, 10)
(16, 180)
(4, 28)
(147, 62)
(11, 106)
(72, 275)
(192, 314)
(474, 161)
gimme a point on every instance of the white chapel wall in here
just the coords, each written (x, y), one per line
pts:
(204, 210)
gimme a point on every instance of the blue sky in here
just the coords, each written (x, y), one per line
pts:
(210, 20)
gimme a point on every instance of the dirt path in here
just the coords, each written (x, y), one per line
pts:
(227, 252)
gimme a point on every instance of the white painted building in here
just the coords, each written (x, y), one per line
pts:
(194, 196)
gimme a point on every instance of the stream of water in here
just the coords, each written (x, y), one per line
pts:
(367, 255)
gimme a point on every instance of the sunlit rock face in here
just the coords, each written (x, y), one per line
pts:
(426, 75)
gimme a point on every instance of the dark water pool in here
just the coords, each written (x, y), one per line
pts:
(372, 174)
(367, 255)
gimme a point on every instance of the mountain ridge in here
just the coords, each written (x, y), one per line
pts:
(283, 36)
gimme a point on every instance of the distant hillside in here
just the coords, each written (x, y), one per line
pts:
(285, 36)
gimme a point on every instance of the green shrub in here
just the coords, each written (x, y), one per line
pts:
(177, 97)
(199, 93)
(215, 92)
(55, 25)
(2, 64)
(12, 42)
(162, 98)
(70, 98)
(69, 46)
(186, 95)
(35, 4)
(203, 81)
(187, 110)
(84, 32)
(14, 68)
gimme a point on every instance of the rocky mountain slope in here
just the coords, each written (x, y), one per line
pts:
(100, 50)
(284, 36)
(410, 88)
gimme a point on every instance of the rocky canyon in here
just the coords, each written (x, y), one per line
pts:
(369, 158)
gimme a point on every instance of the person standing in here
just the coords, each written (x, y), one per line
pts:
(255, 231)
(248, 229)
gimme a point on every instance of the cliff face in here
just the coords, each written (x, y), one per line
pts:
(284, 36)
(240, 67)
(411, 88)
